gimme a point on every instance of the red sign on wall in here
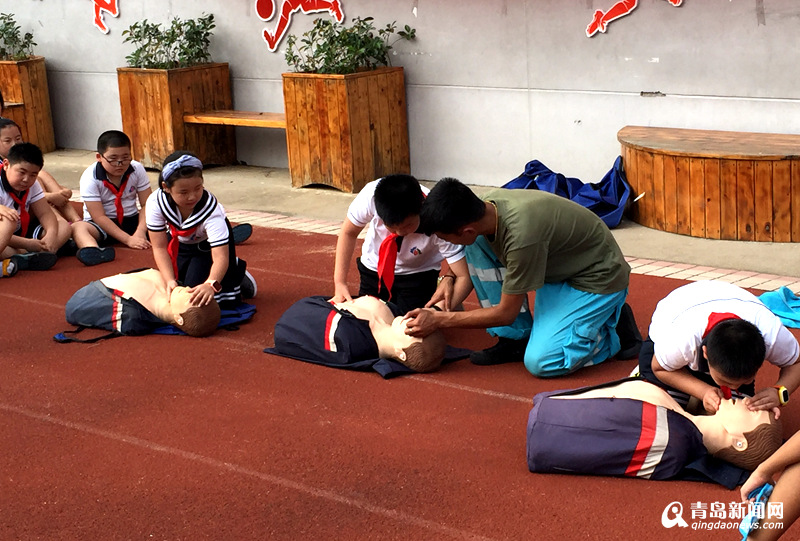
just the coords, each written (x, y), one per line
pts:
(620, 9)
(265, 9)
(109, 6)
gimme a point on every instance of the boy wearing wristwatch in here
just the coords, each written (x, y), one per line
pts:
(710, 338)
(398, 262)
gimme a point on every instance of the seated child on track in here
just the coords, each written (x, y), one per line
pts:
(193, 244)
(30, 233)
(110, 189)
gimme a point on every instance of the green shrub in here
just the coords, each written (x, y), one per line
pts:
(14, 45)
(335, 48)
(182, 44)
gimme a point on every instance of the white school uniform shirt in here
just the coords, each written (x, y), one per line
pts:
(418, 253)
(35, 193)
(208, 217)
(681, 318)
(93, 189)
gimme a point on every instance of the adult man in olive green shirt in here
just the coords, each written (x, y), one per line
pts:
(527, 240)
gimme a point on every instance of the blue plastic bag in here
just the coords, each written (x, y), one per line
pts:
(606, 198)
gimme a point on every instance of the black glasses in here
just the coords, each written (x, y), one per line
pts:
(123, 161)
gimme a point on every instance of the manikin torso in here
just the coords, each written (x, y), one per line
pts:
(724, 429)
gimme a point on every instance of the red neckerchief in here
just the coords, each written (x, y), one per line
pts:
(24, 217)
(20, 200)
(172, 247)
(717, 317)
(387, 258)
(118, 193)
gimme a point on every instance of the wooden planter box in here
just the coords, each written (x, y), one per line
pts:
(27, 97)
(346, 130)
(153, 102)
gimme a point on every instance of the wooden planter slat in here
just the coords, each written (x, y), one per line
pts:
(683, 195)
(363, 160)
(292, 122)
(762, 189)
(346, 130)
(795, 199)
(670, 196)
(24, 83)
(317, 146)
(781, 202)
(712, 199)
(728, 201)
(697, 195)
(334, 130)
(726, 185)
(658, 191)
(398, 124)
(745, 201)
(153, 102)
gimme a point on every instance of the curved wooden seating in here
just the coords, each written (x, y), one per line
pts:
(714, 184)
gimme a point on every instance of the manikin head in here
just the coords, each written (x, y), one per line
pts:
(737, 435)
(419, 354)
(194, 320)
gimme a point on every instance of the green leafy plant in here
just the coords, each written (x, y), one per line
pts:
(182, 44)
(335, 48)
(13, 44)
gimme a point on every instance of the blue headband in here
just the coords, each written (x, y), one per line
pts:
(187, 160)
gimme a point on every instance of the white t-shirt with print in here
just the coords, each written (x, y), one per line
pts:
(93, 189)
(680, 320)
(418, 252)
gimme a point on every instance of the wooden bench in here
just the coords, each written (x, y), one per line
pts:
(229, 117)
(714, 184)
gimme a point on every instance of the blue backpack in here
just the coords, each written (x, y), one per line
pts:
(606, 198)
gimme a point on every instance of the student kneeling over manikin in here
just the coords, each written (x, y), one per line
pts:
(633, 428)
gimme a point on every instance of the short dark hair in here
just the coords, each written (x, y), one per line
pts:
(112, 139)
(735, 347)
(427, 355)
(184, 172)
(450, 206)
(397, 197)
(762, 442)
(199, 321)
(6, 122)
(25, 153)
